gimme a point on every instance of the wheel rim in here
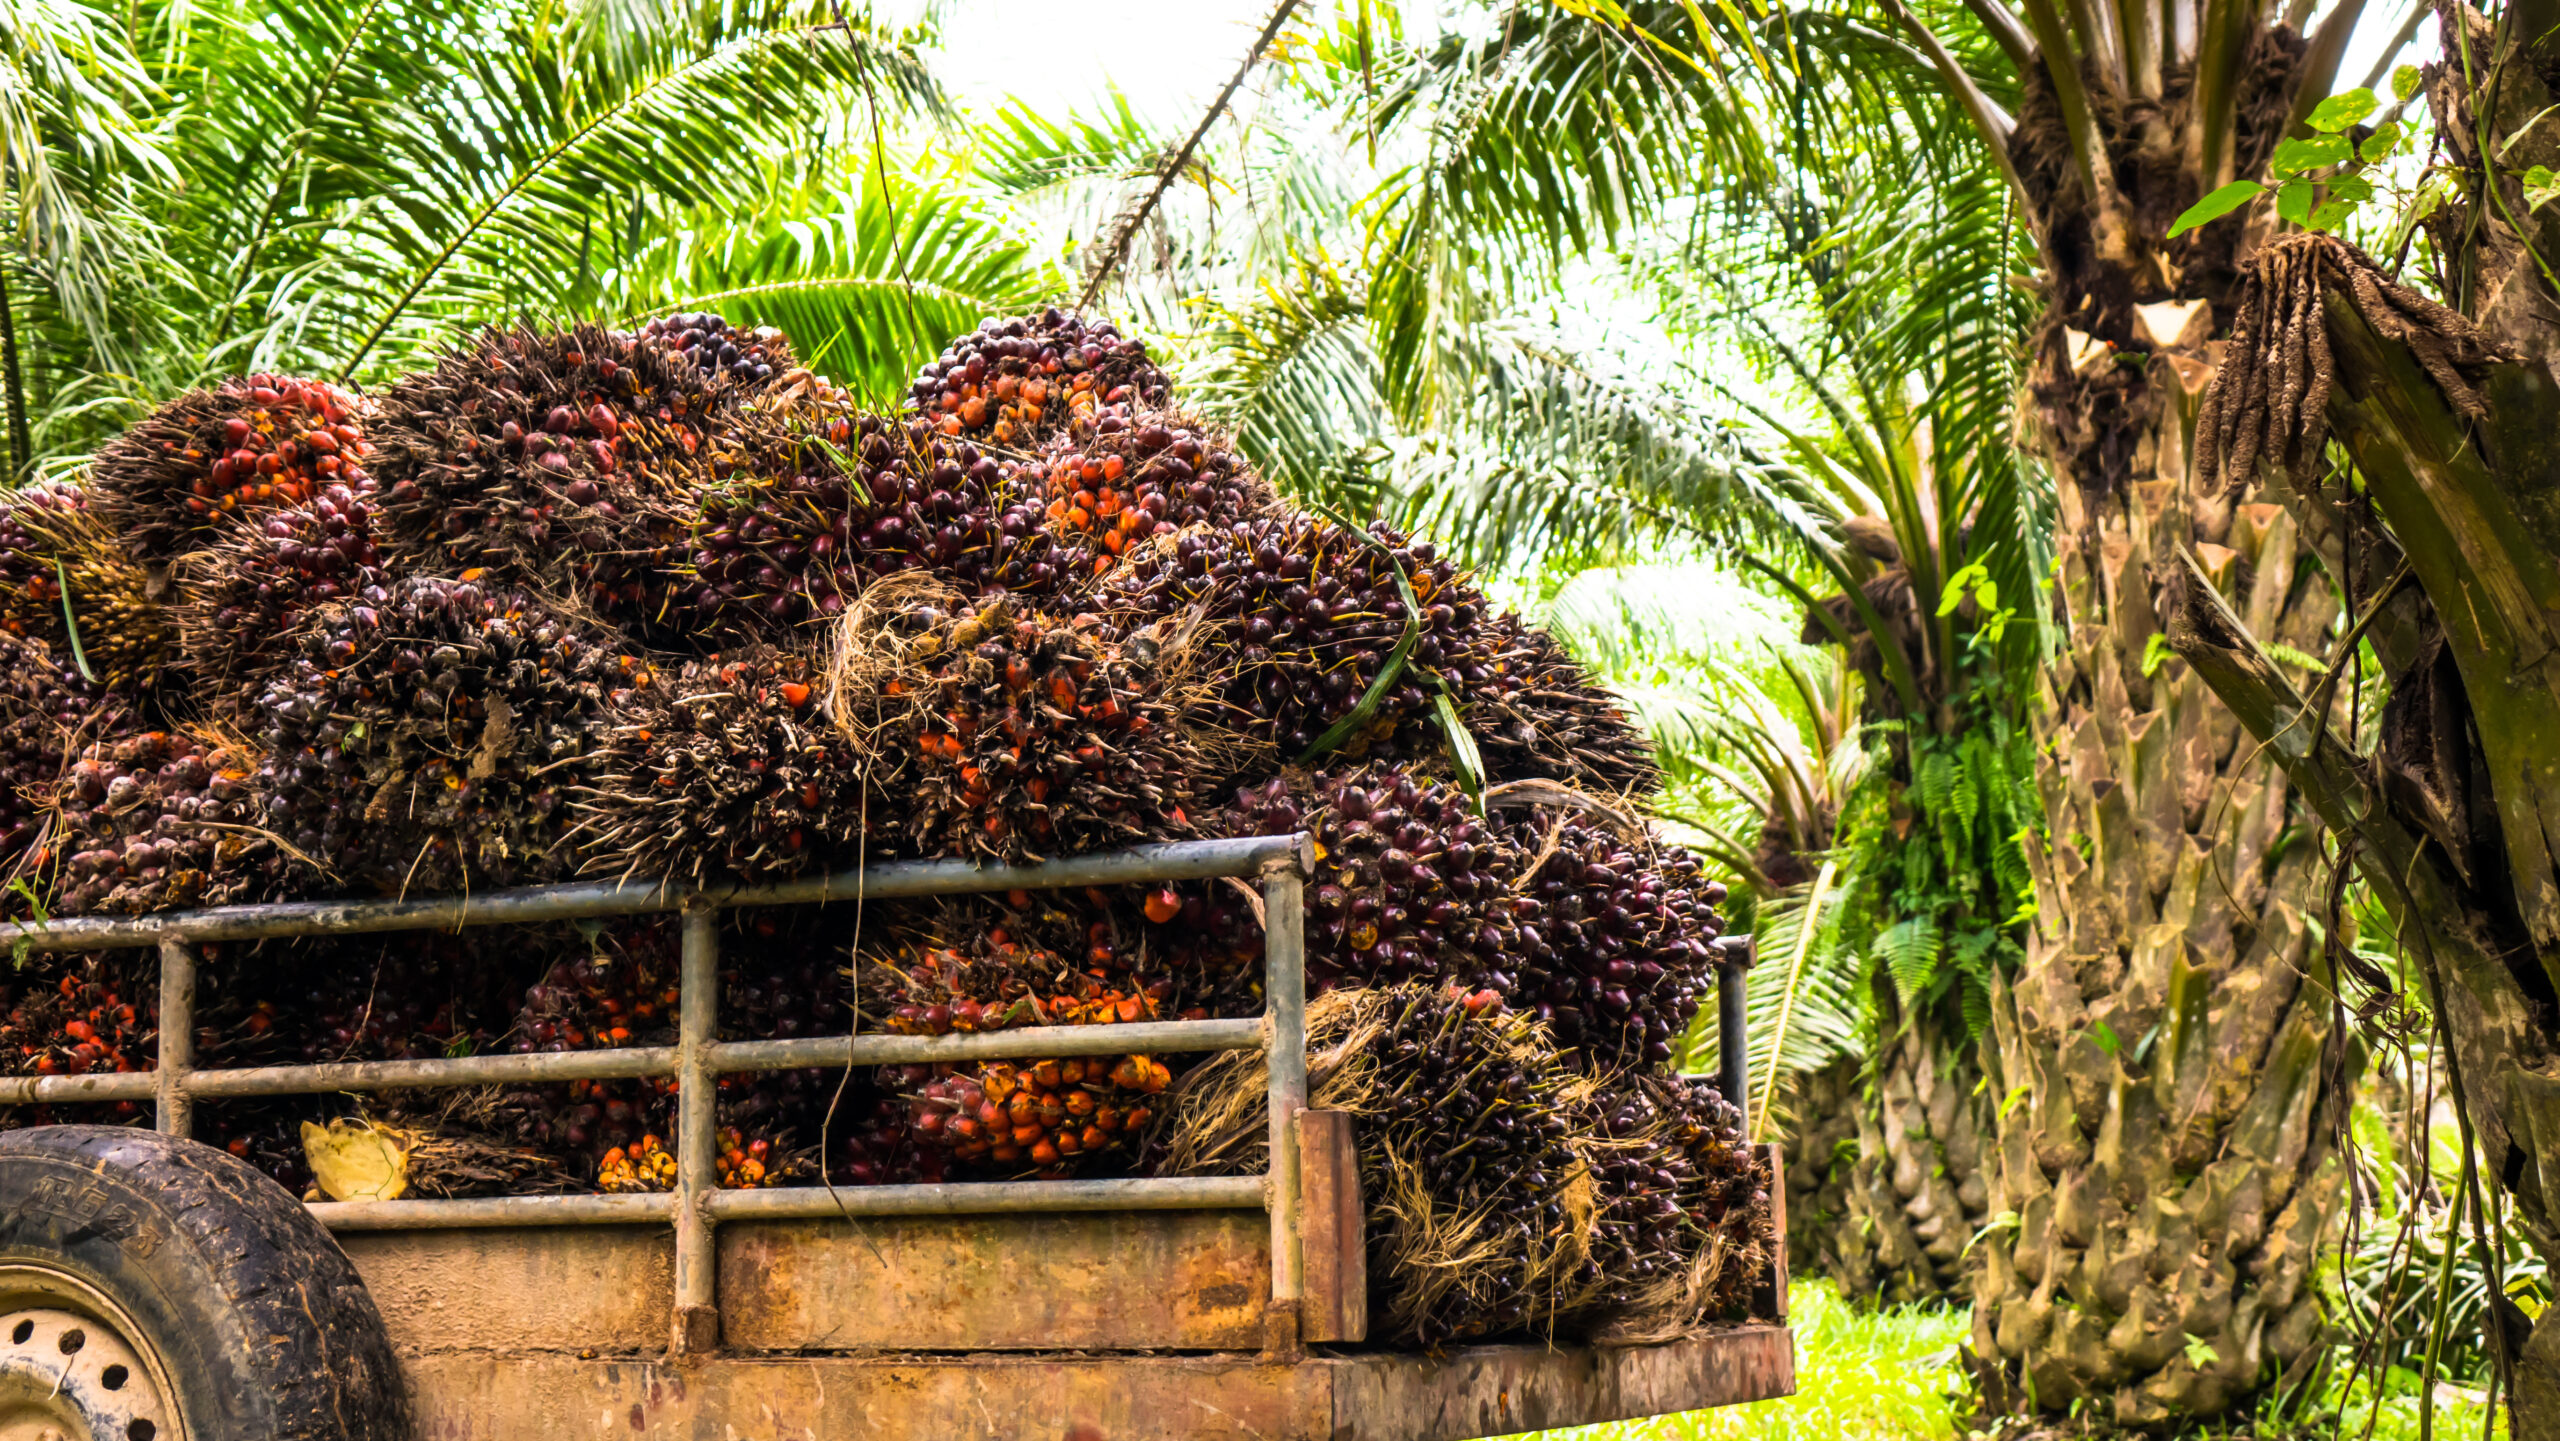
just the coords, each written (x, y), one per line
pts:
(74, 1367)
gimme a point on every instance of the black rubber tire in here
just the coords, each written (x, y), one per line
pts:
(265, 1326)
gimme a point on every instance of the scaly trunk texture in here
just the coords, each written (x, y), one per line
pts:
(2445, 414)
(1888, 1179)
(2166, 1162)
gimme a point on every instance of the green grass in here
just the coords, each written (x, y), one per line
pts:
(1892, 1376)
(1860, 1376)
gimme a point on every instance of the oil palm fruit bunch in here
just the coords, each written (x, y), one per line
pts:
(52, 543)
(1540, 716)
(48, 714)
(425, 735)
(82, 1013)
(882, 1146)
(1313, 613)
(1616, 937)
(1410, 884)
(780, 978)
(581, 1124)
(1026, 736)
(1019, 381)
(405, 995)
(240, 599)
(163, 820)
(245, 446)
(1005, 984)
(617, 993)
(792, 531)
(565, 459)
(1040, 1115)
(1133, 477)
(644, 1164)
(738, 354)
(725, 768)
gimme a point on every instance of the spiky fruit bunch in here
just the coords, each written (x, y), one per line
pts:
(1040, 1114)
(883, 1148)
(425, 736)
(643, 1165)
(1020, 381)
(741, 355)
(619, 995)
(561, 458)
(580, 1123)
(1028, 736)
(1409, 883)
(1006, 984)
(1540, 716)
(792, 530)
(1313, 614)
(48, 715)
(163, 820)
(726, 768)
(50, 541)
(403, 995)
(245, 446)
(782, 977)
(1470, 1111)
(1615, 938)
(239, 601)
(1133, 477)
(75, 1015)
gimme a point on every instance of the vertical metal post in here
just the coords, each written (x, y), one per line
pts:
(1733, 1026)
(1284, 992)
(177, 1036)
(697, 1318)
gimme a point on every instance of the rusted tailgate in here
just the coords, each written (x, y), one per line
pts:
(1483, 1391)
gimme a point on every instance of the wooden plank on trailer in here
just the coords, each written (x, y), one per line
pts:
(1482, 1391)
(1161, 1280)
(1499, 1390)
(605, 1290)
(1332, 1226)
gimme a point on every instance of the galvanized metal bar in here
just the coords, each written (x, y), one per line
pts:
(641, 1210)
(102, 1086)
(611, 1065)
(982, 1198)
(893, 880)
(177, 1036)
(1284, 991)
(889, 1050)
(697, 1324)
(1733, 1030)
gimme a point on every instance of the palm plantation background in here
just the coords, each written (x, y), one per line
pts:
(1827, 374)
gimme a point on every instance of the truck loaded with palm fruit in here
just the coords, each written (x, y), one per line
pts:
(605, 882)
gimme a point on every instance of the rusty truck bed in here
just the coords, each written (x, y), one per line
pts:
(1057, 1327)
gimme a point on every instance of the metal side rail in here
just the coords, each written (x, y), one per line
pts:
(698, 1057)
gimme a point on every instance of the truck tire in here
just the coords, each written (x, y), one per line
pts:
(154, 1289)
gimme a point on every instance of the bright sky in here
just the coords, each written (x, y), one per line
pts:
(1170, 57)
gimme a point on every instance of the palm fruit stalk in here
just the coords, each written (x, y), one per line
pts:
(1019, 382)
(563, 460)
(427, 734)
(1615, 936)
(1015, 735)
(1133, 477)
(1542, 717)
(162, 820)
(799, 515)
(1410, 884)
(726, 768)
(1314, 615)
(248, 445)
(1482, 1204)
(115, 628)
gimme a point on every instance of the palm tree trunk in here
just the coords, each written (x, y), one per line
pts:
(2164, 1068)
(2166, 1134)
